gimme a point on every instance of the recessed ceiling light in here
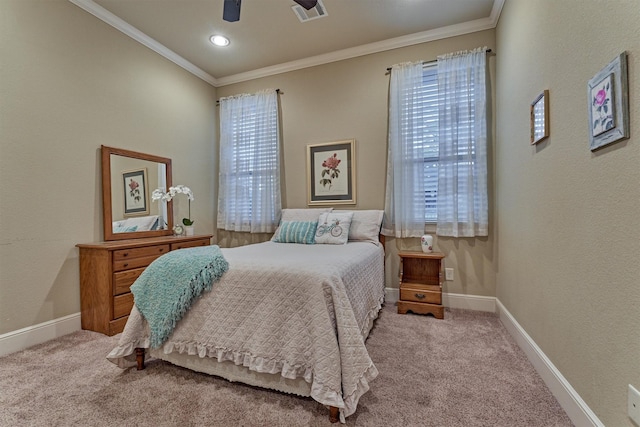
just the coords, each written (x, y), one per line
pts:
(219, 40)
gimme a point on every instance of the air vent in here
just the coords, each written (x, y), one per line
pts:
(307, 15)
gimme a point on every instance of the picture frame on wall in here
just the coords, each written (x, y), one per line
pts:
(608, 104)
(331, 173)
(136, 193)
(540, 118)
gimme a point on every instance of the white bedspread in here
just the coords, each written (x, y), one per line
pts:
(298, 310)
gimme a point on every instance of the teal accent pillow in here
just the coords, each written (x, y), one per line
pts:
(296, 232)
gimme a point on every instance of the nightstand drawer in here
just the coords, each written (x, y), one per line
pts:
(421, 294)
(123, 280)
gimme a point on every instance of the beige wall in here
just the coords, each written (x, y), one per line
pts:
(68, 84)
(348, 99)
(568, 219)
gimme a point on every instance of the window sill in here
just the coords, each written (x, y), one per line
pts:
(430, 227)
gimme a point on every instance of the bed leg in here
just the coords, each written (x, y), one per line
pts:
(140, 359)
(334, 414)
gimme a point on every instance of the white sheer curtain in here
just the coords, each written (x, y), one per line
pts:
(249, 181)
(405, 197)
(462, 164)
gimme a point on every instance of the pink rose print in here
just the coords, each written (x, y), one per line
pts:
(331, 170)
(134, 190)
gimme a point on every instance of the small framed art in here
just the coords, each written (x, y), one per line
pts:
(331, 173)
(540, 117)
(136, 193)
(608, 95)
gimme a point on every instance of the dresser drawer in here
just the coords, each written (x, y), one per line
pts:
(117, 326)
(127, 264)
(122, 305)
(421, 294)
(147, 251)
(123, 280)
(191, 244)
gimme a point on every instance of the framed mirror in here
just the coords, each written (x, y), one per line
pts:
(128, 181)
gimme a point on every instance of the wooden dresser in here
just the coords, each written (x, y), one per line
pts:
(108, 269)
(421, 283)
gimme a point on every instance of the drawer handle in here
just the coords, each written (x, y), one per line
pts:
(420, 296)
(126, 264)
(161, 249)
(125, 254)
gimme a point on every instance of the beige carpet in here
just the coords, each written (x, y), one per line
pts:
(463, 371)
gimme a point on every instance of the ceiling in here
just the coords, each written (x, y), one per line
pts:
(269, 38)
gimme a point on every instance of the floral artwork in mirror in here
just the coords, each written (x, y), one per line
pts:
(136, 193)
(608, 96)
(540, 118)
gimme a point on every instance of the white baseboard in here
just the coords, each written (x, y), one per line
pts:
(467, 302)
(36, 334)
(576, 408)
(391, 295)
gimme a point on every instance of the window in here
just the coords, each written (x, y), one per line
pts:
(426, 138)
(437, 148)
(249, 189)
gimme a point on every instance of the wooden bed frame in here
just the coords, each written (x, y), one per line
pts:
(334, 412)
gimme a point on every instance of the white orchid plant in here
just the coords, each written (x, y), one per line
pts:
(158, 194)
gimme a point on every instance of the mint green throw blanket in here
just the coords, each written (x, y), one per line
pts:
(168, 286)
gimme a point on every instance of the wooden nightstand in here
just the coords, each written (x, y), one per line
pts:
(421, 283)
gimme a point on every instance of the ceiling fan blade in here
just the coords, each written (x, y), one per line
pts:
(307, 4)
(231, 11)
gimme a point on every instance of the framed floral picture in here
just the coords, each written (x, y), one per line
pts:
(331, 173)
(608, 95)
(136, 193)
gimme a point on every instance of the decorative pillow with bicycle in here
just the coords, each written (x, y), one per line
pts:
(333, 228)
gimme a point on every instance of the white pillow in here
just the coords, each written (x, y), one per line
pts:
(333, 228)
(365, 224)
(300, 215)
(303, 214)
(142, 223)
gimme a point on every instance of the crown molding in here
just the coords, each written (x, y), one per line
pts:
(496, 11)
(121, 25)
(367, 49)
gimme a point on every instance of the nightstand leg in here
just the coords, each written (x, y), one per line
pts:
(421, 308)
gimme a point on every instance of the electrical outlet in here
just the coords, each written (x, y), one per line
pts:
(634, 405)
(448, 273)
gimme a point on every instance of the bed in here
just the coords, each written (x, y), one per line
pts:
(285, 316)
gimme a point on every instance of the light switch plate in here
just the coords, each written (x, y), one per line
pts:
(448, 274)
(634, 405)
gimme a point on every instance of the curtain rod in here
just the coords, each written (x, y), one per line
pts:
(435, 60)
(278, 91)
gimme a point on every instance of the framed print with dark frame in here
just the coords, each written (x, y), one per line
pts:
(331, 173)
(136, 193)
(608, 95)
(540, 118)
